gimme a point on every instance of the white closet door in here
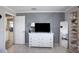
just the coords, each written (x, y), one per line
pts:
(64, 34)
(19, 30)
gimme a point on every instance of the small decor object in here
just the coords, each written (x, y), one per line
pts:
(0, 16)
(32, 27)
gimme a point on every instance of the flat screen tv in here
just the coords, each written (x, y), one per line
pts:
(42, 27)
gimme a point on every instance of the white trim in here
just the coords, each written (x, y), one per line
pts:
(8, 8)
(9, 13)
(69, 8)
(40, 12)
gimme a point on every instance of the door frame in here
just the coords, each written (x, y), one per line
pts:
(6, 24)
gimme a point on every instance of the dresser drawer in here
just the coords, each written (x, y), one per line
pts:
(34, 44)
(46, 44)
(46, 40)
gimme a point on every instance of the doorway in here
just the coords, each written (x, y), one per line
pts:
(9, 31)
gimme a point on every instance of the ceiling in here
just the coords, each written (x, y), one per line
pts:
(23, 9)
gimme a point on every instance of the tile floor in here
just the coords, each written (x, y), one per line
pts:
(25, 49)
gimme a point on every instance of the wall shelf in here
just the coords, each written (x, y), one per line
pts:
(74, 31)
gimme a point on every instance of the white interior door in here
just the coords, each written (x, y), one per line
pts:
(64, 34)
(19, 30)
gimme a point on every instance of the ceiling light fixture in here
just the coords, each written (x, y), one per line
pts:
(34, 9)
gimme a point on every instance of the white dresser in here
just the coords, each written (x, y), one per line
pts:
(41, 40)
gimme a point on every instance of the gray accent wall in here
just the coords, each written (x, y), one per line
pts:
(52, 18)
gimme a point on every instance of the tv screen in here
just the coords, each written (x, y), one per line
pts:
(42, 27)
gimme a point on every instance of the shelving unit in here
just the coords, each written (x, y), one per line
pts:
(74, 32)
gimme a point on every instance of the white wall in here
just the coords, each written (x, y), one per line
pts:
(3, 11)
